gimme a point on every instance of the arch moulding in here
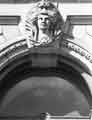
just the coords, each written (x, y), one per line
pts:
(47, 56)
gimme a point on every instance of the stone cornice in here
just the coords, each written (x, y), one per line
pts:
(9, 20)
(80, 19)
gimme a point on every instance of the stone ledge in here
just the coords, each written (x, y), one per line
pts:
(9, 20)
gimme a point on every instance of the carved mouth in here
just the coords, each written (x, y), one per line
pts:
(43, 24)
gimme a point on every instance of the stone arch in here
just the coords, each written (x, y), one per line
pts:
(24, 61)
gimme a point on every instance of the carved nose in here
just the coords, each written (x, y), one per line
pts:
(43, 20)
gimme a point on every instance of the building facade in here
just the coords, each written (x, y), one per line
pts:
(51, 78)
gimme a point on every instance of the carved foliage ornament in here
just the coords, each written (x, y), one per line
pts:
(43, 7)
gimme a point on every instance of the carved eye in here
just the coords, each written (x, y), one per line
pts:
(46, 7)
(41, 7)
(47, 19)
(40, 18)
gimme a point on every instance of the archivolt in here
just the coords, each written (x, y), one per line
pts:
(17, 55)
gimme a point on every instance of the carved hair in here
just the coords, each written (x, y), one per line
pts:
(47, 8)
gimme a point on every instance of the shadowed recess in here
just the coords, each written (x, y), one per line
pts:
(33, 91)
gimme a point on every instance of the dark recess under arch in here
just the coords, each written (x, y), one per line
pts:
(25, 70)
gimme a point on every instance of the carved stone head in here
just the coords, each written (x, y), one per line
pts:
(43, 10)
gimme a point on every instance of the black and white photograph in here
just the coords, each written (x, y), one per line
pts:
(45, 59)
